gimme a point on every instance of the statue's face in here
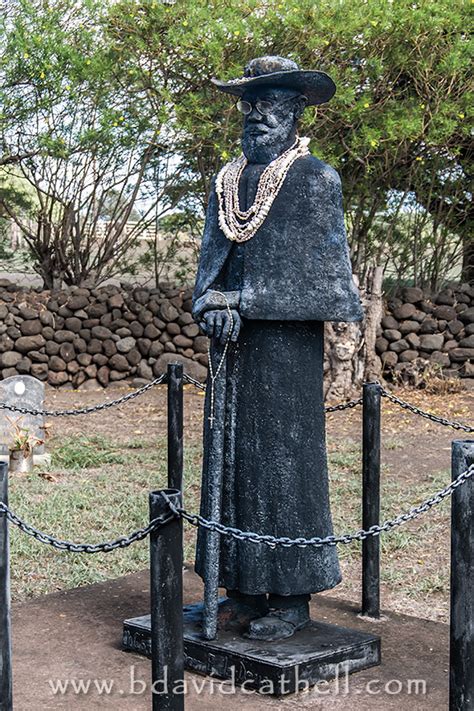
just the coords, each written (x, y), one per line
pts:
(272, 130)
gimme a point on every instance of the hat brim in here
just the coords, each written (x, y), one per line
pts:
(318, 87)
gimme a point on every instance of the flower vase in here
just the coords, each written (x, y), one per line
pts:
(20, 461)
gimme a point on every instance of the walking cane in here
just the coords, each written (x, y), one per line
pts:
(215, 475)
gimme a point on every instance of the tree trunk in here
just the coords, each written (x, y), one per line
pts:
(373, 307)
(342, 377)
(467, 274)
(52, 279)
(350, 357)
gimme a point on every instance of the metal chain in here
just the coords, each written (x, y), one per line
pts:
(331, 408)
(343, 405)
(236, 533)
(360, 535)
(385, 393)
(202, 386)
(193, 381)
(91, 408)
(422, 413)
(355, 403)
(106, 547)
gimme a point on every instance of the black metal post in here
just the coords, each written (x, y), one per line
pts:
(461, 666)
(6, 702)
(175, 426)
(167, 653)
(371, 498)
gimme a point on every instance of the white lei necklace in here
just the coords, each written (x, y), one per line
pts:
(240, 225)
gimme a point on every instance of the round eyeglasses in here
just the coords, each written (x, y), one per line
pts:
(263, 107)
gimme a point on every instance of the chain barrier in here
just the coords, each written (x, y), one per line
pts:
(360, 535)
(91, 408)
(189, 379)
(358, 401)
(428, 415)
(344, 405)
(202, 386)
(105, 547)
(331, 408)
(236, 533)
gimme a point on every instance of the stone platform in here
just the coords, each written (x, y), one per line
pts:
(319, 652)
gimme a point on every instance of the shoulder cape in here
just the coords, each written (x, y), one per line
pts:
(296, 266)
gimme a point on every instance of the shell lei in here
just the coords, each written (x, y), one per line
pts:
(240, 225)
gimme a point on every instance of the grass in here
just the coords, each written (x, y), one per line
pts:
(410, 563)
(96, 489)
(85, 453)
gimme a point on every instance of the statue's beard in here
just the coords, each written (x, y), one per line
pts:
(264, 147)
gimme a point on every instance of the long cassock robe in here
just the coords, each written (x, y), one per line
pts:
(293, 275)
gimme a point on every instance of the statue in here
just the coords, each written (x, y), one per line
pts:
(274, 266)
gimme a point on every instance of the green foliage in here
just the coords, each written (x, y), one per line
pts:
(86, 452)
(398, 125)
(113, 80)
(5, 251)
(85, 141)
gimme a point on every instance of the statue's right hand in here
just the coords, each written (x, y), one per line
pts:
(212, 300)
(218, 324)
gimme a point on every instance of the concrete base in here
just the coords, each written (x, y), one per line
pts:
(319, 652)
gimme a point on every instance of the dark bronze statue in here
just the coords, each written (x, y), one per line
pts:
(274, 266)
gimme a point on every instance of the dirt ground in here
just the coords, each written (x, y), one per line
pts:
(425, 445)
(81, 629)
(415, 464)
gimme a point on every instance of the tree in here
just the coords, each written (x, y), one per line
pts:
(397, 129)
(80, 139)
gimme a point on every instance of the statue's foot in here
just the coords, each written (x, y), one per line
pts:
(236, 612)
(279, 623)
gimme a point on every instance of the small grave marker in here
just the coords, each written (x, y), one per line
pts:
(21, 391)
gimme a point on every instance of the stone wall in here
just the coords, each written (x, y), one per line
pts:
(87, 338)
(439, 329)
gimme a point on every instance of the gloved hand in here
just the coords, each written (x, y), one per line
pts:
(212, 300)
(217, 323)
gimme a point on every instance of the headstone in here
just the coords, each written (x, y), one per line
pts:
(21, 391)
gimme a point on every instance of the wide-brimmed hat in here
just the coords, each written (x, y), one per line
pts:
(279, 71)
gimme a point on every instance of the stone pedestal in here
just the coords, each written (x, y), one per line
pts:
(320, 652)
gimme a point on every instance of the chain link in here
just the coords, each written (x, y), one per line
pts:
(202, 386)
(236, 533)
(91, 408)
(105, 547)
(422, 413)
(358, 401)
(197, 520)
(360, 535)
(344, 405)
(189, 379)
(331, 408)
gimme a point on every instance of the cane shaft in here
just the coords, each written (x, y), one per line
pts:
(215, 476)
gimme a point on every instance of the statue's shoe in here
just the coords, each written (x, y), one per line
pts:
(279, 623)
(234, 614)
